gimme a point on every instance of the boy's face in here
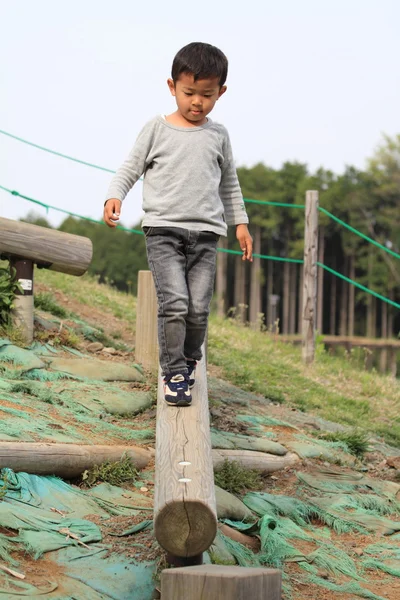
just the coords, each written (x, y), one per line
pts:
(195, 99)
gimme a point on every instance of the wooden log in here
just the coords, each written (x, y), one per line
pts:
(310, 276)
(185, 516)
(46, 247)
(146, 348)
(249, 541)
(66, 460)
(216, 582)
(260, 461)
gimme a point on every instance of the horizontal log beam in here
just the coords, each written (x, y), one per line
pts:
(185, 516)
(56, 250)
(66, 460)
(260, 461)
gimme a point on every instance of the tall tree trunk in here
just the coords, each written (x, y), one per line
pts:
(240, 289)
(300, 292)
(320, 281)
(390, 316)
(221, 282)
(286, 292)
(369, 297)
(332, 319)
(293, 297)
(255, 281)
(343, 303)
(270, 291)
(351, 296)
(384, 333)
(373, 317)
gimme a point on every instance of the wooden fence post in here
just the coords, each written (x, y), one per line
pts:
(310, 276)
(217, 582)
(146, 347)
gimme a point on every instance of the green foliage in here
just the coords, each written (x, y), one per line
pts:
(8, 288)
(45, 301)
(234, 478)
(356, 440)
(115, 473)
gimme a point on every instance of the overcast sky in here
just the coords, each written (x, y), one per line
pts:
(310, 80)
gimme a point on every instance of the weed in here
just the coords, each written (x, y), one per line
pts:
(14, 334)
(356, 440)
(115, 473)
(45, 301)
(234, 478)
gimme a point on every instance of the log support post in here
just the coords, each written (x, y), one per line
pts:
(146, 349)
(216, 582)
(23, 302)
(310, 277)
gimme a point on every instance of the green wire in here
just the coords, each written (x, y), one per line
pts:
(236, 252)
(362, 235)
(358, 285)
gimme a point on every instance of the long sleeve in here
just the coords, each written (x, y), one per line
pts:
(229, 190)
(134, 166)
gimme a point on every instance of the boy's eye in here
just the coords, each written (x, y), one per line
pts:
(188, 94)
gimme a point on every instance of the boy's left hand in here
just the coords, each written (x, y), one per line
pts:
(245, 241)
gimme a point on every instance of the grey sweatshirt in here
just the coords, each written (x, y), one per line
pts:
(190, 179)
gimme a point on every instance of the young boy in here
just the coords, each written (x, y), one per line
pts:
(190, 194)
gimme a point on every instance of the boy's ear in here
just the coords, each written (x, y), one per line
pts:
(171, 86)
(222, 91)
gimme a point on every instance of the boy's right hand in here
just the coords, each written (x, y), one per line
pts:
(112, 211)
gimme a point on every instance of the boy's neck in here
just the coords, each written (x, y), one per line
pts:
(179, 120)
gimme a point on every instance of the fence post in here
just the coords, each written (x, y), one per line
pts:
(146, 346)
(310, 276)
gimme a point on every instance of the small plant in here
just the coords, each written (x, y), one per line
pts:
(355, 440)
(114, 473)
(45, 301)
(8, 288)
(234, 478)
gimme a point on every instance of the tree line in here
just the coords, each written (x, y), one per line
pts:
(269, 291)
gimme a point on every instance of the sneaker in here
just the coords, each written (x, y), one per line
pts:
(191, 367)
(176, 390)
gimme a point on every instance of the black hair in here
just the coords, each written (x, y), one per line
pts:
(203, 61)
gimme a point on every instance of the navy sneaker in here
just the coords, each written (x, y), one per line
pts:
(191, 367)
(176, 390)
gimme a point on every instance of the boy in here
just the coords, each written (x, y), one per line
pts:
(190, 193)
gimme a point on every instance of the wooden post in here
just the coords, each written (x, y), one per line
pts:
(310, 276)
(23, 302)
(185, 518)
(216, 582)
(146, 348)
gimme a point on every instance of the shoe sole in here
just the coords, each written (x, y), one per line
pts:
(179, 403)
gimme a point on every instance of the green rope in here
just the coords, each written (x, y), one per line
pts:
(269, 203)
(358, 285)
(65, 212)
(362, 235)
(236, 252)
(82, 162)
(264, 256)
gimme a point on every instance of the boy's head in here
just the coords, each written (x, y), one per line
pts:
(198, 76)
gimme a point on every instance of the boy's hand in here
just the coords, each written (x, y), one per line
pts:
(112, 211)
(245, 241)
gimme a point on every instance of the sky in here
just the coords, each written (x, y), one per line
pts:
(316, 81)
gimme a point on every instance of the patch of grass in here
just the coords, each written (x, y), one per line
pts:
(45, 301)
(234, 478)
(332, 387)
(115, 473)
(14, 334)
(64, 337)
(356, 441)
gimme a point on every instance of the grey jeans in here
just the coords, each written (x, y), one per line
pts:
(183, 264)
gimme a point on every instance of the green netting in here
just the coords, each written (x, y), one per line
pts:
(48, 515)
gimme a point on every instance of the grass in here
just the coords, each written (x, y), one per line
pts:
(333, 387)
(357, 441)
(45, 301)
(115, 473)
(236, 479)
(336, 388)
